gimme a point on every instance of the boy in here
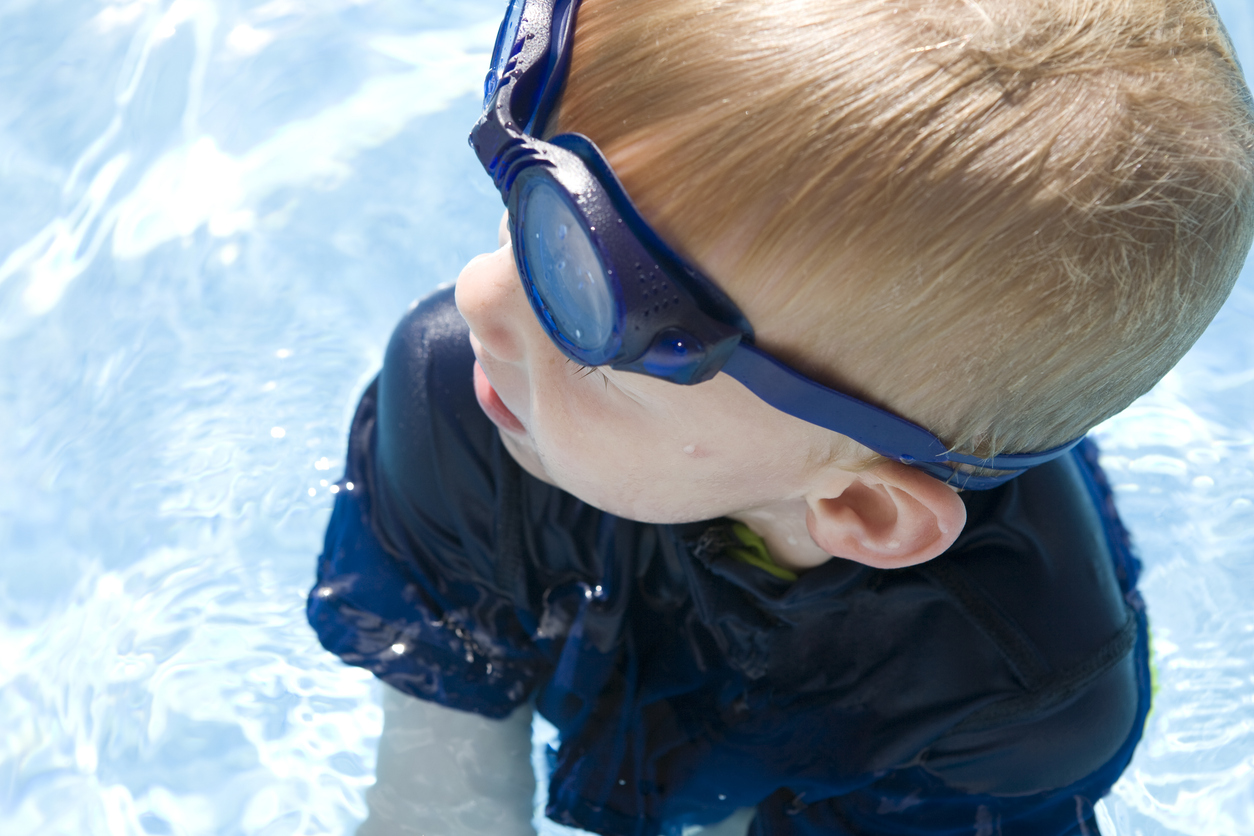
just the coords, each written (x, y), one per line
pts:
(729, 559)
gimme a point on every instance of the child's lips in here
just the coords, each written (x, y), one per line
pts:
(492, 405)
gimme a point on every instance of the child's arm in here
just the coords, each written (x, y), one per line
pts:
(410, 584)
(409, 588)
(449, 772)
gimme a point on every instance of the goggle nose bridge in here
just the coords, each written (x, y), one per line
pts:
(510, 161)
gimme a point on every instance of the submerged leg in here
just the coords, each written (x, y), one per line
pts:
(737, 824)
(450, 773)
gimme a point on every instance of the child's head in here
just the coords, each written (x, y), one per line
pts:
(1002, 220)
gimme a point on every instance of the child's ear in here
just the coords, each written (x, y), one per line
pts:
(888, 517)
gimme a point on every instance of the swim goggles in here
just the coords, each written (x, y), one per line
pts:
(609, 291)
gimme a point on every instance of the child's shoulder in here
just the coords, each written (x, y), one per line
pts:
(434, 451)
(427, 371)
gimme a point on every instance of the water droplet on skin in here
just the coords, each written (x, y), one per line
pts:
(690, 449)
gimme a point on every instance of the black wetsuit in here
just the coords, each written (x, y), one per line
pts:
(998, 689)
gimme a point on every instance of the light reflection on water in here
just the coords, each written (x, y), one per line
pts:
(211, 216)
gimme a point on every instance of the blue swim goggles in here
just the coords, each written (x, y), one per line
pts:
(610, 292)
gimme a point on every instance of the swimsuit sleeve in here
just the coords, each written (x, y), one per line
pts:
(408, 585)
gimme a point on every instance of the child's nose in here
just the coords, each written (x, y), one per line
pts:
(490, 298)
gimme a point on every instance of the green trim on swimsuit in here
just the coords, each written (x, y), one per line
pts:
(755, 554)
(1153, 667)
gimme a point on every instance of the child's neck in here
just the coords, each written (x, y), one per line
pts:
(782, 526)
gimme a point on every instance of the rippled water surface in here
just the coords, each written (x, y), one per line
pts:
(211, 216)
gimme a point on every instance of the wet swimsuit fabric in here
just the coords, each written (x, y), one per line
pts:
(999, 689)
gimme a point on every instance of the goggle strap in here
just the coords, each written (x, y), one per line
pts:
(790, 392)
(870, 426)
(558, 65)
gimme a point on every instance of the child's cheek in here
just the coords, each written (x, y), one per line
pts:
(590, 443)
(524, 453)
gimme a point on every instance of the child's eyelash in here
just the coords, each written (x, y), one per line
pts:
(584, 371)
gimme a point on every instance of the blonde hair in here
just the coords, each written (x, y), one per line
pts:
(1001, 219)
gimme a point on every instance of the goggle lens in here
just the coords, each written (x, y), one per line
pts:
(565, 270)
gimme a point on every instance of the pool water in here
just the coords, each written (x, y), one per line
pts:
(211, 216)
